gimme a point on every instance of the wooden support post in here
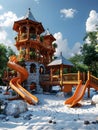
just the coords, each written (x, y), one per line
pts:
(88, 75)
(61, 75)
(78, 76)
(28, 32)
(88, 92)
(51, 75)
(88, 78)
(27, 53)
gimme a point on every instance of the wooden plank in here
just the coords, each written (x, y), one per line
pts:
(59, 83)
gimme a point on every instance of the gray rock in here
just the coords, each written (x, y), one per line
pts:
(95, 99)
(86, 122)
(14, 108)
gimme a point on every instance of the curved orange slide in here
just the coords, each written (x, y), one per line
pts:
(15, 83)
(78, 94)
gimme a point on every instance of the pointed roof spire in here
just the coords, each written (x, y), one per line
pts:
(47, 32)
(30, 16)
(60, 61)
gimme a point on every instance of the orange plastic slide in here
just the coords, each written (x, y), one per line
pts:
(16, 81)
(78, 94)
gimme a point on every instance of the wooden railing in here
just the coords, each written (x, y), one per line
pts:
(93, 80)
(70, 77)
(66, 77)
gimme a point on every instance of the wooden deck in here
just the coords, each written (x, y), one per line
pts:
(68, 81)
(71, 79)
(59, 83)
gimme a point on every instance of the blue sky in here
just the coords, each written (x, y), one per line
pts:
(67, 20)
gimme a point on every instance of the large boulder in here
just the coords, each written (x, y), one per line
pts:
(15, 107)
(95, 99)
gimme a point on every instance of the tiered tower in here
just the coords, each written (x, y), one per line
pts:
(35, 49)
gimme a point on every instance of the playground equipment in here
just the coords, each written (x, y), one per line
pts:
(78, 94)
(35, 46)
(70, 80)
(15, 83)
(36, 51)
(92, 82)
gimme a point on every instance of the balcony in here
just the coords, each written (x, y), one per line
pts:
(34, 38)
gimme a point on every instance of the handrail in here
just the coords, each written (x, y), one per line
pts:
(66, 77)
(70, 77)
(93, 80)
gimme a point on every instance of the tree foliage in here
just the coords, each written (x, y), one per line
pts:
(4, 56)
(90, 55)
(88, 59)
(77, 60)
(92, 37)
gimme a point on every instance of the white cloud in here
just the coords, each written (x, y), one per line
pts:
(64, 48)
(37, 1)
(3, 36)
(7, 19)
(68, 13)
(92, 21)
(1, 7)
(76, 49)
(5, 40)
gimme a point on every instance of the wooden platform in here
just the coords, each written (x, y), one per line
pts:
(67, 81)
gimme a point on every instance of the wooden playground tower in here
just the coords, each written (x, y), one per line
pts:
(35, 46)
(36, 51)
(31, 44)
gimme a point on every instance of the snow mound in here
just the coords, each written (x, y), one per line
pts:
(15, 107)
(95, 99)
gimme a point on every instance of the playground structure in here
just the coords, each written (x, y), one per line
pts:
(72, 80)
(92, 82)
(36, 70)
(15, 83)
(36, 49)
(35, 46)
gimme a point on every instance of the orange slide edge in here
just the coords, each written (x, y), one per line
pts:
(78, 94)
(15, 84)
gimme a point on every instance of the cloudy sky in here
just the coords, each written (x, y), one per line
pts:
(67, 20)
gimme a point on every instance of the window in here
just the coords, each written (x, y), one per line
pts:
(41, 71)
(32, 68)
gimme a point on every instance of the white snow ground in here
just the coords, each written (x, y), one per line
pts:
(52, 114)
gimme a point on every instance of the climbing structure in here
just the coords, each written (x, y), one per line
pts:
(35, 46)
(36, 51)
(31, 44)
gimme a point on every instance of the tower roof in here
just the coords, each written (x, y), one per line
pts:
(29, 15)
(60, 61)
(28, 18)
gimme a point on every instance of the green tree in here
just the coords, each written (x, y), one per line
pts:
(10, 52)
(4, 55)
(55, 45)
(91, 36)
(3, 58)
(77, 60)
(90, 56)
